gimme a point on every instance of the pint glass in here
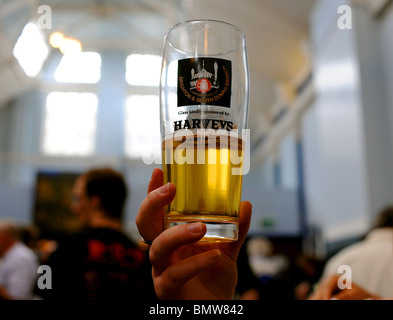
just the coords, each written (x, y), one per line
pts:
(204, 93)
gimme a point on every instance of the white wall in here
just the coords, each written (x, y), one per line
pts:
(275, 199)
(375, 108)
(385, 33)
(348, 155)
(111, 97)
(288, 162)
(16, 202)
(278, 206)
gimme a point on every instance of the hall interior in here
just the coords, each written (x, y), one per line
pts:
(320, 111)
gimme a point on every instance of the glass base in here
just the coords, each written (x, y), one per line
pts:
(216, 231)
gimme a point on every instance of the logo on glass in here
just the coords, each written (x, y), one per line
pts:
(204, 81)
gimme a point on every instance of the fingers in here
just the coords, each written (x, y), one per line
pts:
(166, 243)
(244, 219)
(355, 292)
(156, 181)
(326, 289)
(190, 267)
(244, 225)
(173, 278)
(170, 276)
(344, 295)
(150, 218)
(174, 237)
(173, 266)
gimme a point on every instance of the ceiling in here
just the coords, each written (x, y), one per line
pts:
(276, 32)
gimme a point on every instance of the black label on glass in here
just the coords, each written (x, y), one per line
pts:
(204, 81)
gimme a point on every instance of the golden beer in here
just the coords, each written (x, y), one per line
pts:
(202, 168)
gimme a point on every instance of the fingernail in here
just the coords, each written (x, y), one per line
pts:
(164, 189)
(195, 228)
(154, 172)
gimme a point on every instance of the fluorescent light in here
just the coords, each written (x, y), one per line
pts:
(56, 39)
(143, 69)
(31, 50)
(82, 67)
(336, 76)
(69, 45)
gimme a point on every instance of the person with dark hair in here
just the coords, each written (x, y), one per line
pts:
(385, 218)
(102, 262)
(370, 262)
(99, 195)
(109, 187)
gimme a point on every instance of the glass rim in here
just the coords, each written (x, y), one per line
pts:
(195, 21)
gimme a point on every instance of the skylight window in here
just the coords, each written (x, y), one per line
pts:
(31, 50)
(79, 67)
(142, 123)
(70, 123)
(143, 69)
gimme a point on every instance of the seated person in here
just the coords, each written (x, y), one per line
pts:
(370, 260)
(102, 262)
(18, 267)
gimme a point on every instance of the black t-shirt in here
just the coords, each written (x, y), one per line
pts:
(100, 264)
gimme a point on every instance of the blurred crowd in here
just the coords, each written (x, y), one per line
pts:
(101, 261)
